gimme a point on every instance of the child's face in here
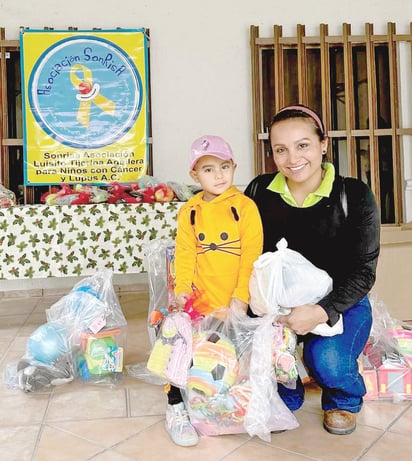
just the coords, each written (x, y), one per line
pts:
(214, 175)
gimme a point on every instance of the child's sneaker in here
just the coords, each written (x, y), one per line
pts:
(179, 427)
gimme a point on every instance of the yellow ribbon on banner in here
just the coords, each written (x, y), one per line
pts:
(88, 92)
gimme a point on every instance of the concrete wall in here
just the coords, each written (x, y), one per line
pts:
(200, 57)
(394, 275)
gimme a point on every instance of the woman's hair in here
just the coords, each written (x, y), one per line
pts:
(300, 111)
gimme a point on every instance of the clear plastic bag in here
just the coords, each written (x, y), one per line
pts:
(219, 386)
(160, 284)
(160, 273)
(266, 411)
(92, 315)
(285, 279)
(386, 361)
(232, 385)
(7, 197)
(84, 336)
(48, 360)
(171, 354)
(91, 305)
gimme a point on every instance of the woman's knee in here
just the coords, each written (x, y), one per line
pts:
(325, 363)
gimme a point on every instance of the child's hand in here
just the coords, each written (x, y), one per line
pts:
(181, 300)
(238, 305)
(221, 313)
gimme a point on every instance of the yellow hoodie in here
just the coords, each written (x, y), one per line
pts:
(217, 243)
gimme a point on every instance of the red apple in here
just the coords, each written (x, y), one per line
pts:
(164, 194)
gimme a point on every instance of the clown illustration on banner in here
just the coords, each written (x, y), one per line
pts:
(85, 106)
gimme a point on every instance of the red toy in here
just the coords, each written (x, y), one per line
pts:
(147, 195)
(119, 194)
(82, 199)
(116, 193)
(55, 195)
(192, 307)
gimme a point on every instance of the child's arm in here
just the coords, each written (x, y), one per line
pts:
(185, 255)
(251, 241)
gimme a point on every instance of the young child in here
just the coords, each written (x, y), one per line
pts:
(219, 236)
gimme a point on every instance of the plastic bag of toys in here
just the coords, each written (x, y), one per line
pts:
(272, 361)
(171, 354)
(231, 386)
(48, 360)
(219, 385)
(386, 361)
(159, 262)
(92, 315)
(284, 279)
(84, 336)
(170, 331)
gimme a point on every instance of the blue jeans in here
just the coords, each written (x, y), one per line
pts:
(332, 362)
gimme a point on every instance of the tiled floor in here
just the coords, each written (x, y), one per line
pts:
(80, 422)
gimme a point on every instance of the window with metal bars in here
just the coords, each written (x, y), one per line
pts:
(355, 83)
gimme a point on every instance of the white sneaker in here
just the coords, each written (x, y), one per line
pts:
(179, 427)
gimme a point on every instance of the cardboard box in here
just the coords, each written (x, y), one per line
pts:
(394, 381)
(370, 378)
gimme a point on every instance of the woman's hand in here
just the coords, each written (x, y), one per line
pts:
(304, 319)
(238, 305)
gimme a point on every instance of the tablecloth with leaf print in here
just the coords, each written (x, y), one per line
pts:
(38, 241)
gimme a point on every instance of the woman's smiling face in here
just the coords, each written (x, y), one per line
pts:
(297, 149)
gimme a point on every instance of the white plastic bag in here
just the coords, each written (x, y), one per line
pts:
(261, 419)
(285, 279)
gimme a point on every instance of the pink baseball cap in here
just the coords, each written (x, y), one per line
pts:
(210, 145)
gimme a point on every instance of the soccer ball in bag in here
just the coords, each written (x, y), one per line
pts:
(215, 365)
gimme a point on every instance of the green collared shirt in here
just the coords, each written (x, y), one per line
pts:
(280, 186)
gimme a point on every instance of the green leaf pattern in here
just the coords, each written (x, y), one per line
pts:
(39, 241)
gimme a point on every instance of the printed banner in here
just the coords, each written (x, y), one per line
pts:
(84, 106)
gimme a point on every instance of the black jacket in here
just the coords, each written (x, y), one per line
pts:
(340, 234)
